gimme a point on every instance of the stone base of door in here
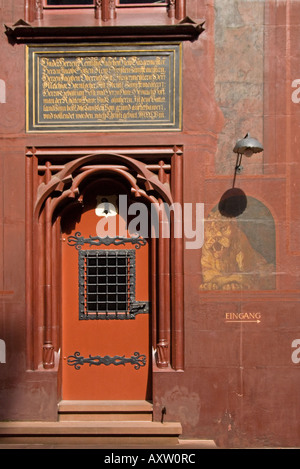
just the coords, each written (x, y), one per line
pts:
(95, 422)
(90, 432)
(110, 411)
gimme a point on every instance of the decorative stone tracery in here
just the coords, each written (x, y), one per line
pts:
(60, 185)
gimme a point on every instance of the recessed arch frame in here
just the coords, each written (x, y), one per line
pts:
(166, 261)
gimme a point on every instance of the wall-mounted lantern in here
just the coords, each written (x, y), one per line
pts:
(246, 146)
(106, 206)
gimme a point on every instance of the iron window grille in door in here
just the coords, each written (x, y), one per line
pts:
(107, 281)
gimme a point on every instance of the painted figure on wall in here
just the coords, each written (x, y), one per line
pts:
(239, 252)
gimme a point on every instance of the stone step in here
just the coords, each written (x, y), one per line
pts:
(89, 432)
(105, 411)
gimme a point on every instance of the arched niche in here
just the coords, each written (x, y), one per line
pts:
(239, 251)
(51, 187)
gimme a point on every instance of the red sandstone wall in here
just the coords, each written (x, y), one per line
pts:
(240, 385)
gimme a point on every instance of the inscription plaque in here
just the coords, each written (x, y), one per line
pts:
(104, 88)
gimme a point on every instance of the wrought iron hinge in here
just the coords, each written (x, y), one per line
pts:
(76, 360)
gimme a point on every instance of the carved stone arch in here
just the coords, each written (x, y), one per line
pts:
(64, 186)
(59, 181)
(74, 191)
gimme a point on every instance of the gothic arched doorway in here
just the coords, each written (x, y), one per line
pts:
(57, 186)
(106, 343)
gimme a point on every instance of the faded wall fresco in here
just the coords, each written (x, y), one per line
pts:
(239, 78)
(239, 252)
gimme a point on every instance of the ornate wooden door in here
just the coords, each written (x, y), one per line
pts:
(105, 306)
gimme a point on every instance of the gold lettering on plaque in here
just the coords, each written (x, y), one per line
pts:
(107, 89)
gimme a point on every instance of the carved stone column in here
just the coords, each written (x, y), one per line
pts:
(108, 10)
(38, 9)
(112, 10)
(171, 9)
(98, 9)
(162, 353)
(180, 9)
(48, 349)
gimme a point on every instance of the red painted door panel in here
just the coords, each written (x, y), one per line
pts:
(103, 358)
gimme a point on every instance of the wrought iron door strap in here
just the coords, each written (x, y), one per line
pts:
(78, 241)
(77, 360)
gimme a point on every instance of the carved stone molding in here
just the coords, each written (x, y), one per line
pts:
(106, 10)
(23, 32)
(50, 187)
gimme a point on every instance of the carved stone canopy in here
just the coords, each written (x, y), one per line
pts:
(22, 32)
